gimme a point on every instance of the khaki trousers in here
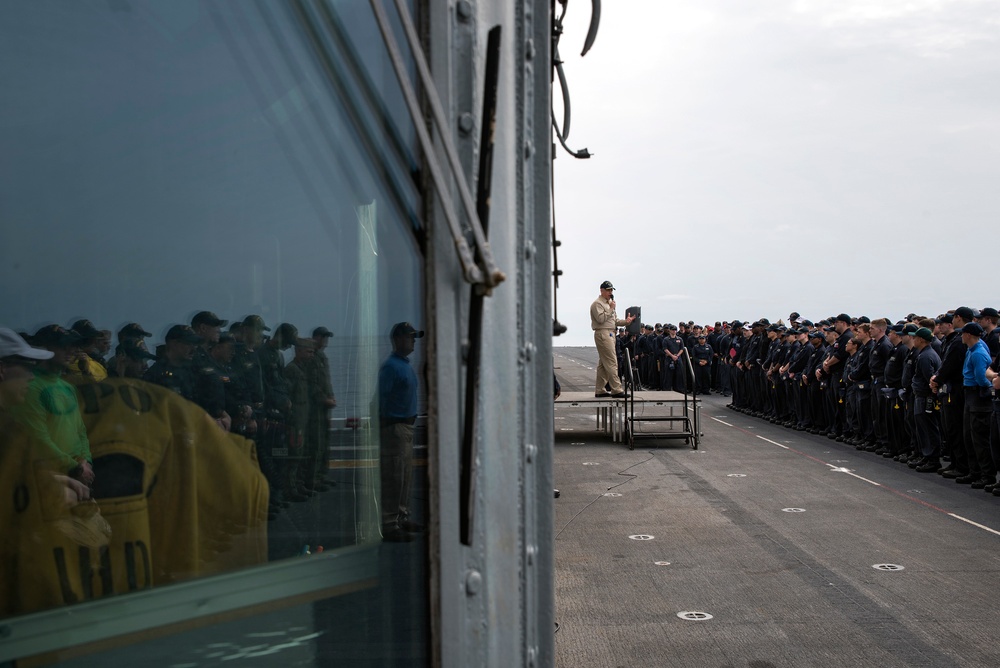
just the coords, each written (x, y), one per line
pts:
(607, 364)
(396, 472)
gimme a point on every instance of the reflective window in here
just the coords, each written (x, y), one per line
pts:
(211, 272)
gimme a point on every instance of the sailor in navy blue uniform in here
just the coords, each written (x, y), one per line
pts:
(672, 378)
(701, 358)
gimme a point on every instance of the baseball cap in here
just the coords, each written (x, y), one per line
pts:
(908, 330)
(54, 335)
(924, 334)
(287, 333)
(86, 329)
(973, 328)
(256, 322)
(405, 329)
(132, 330)
(989, 312)
(207, 318)
(321, 331)
(12, 345)
(843, 317)
(606, 285)
(965, 313)
(183, 333)
(132, 348)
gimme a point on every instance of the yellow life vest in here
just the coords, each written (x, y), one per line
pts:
(178, 498)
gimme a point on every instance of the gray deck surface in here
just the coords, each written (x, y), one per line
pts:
(783, 588)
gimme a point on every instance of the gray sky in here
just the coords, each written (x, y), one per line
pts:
(754, 158)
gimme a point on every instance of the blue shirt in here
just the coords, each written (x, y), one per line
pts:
(397, 388)
(974, 369)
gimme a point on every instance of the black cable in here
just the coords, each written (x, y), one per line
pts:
(633, 475)
(557, 327)
(622, 472)
(582, 154)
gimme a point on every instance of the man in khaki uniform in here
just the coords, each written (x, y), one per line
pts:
(604, 321)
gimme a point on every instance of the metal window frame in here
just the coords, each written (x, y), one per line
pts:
(493, 600)
(120, 620)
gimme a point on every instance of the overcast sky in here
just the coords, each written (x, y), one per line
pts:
(754, 158)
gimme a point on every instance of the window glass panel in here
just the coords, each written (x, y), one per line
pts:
(212, 218)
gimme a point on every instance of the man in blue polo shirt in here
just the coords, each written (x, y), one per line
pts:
(397, 410)
(978, 407)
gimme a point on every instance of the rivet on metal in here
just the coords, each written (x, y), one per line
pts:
(473, 582)
(529, 452)
(464, 9)
(466, 123)
(532, 653)
(529, 350)
(694, 616)
(530, 554)
(529, 49)
(641, 536)
(529, 149)
(529, 249)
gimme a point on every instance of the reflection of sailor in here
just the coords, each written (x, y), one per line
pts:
(296, 373)
(397, 404)
(604, 320)
(321, 402)
(51, 411)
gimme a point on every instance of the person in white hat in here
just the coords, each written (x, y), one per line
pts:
(17, 360)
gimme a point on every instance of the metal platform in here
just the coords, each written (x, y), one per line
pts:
(611, 413)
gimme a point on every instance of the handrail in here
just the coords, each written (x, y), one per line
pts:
(629, 400)
(695, 422)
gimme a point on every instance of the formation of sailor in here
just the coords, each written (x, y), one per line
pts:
(922, 391)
